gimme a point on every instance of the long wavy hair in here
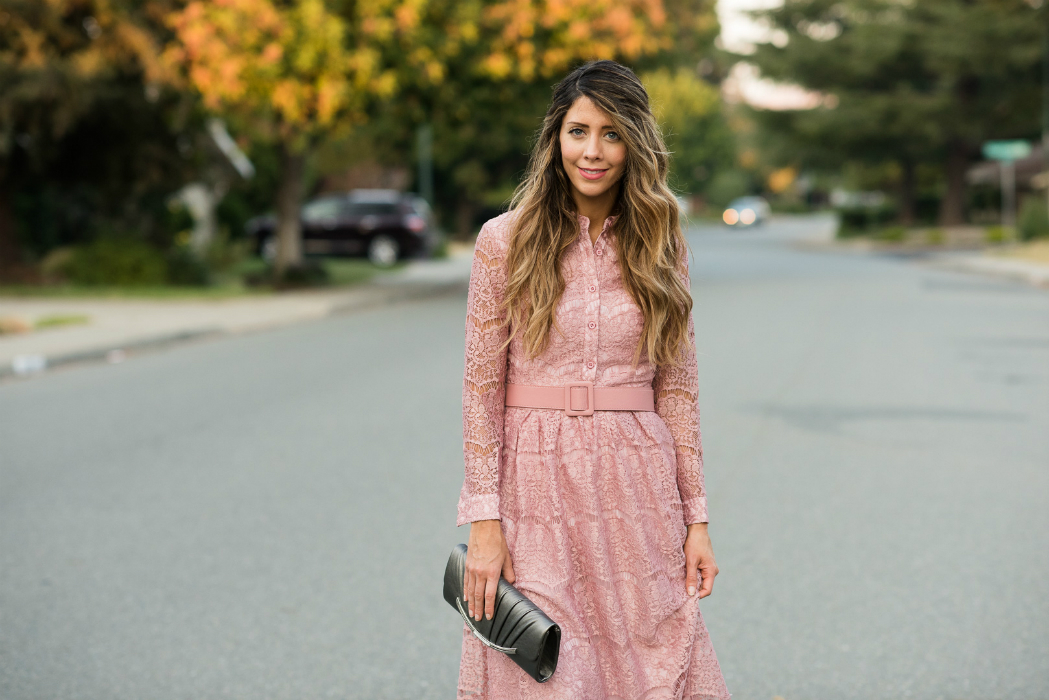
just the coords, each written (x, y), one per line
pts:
(649, 242)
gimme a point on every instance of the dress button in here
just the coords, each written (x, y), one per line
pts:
(598, 251)
(590, 365)
(593, 288)
(592, 324)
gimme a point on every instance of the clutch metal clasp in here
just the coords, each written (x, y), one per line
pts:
(470, 624)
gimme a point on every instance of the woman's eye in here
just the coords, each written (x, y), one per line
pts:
(613, 136)
(576, 132)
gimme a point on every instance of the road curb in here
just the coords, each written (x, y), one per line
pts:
(1015, 270)
(374, 296)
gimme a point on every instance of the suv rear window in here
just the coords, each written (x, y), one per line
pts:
(321, 209)
(373, 209)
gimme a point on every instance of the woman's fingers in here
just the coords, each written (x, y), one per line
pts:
(508, 569)
(466, 592)
(489, 596)
(487, 557)
(699, 555)
(707, 570)
(691, 578)
(478, 595)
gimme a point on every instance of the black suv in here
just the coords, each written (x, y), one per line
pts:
(385, 225)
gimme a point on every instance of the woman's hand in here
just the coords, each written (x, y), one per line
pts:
(699, 555)
(486, 558)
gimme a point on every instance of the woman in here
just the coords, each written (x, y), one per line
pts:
(584, 482)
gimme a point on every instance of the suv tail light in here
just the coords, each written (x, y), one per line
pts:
(415, 223)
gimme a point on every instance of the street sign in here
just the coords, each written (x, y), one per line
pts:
(1006, 150)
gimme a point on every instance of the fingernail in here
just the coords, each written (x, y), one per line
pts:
(692, 590)
(487, 617)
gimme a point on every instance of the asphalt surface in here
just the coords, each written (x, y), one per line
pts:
(268, 516)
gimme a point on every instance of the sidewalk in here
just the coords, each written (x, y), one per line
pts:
(118, 327)
(990, 263)
(1008, 268)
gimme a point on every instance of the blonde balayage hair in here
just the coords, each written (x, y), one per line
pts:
(649, 242)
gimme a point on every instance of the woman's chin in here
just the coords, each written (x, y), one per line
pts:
(592, 189)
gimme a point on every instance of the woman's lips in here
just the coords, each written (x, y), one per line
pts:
(592, 174)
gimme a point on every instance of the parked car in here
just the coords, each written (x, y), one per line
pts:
(746, 211)
(384, 225)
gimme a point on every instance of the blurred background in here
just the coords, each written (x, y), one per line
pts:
(140, 140)
(235, 238)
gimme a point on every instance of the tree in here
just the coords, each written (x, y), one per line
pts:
(288, 74)
(907, 82)
(689, 112)
(59, 62)
(500, 59)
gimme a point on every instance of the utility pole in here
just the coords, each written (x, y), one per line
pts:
(1045, 94)
(1008, 172)
(424, 148)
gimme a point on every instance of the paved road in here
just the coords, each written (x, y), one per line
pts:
(268, 516)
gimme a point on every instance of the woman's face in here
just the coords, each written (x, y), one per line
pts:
(592, 152)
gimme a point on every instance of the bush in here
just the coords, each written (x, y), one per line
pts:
(184, 268)
(226, 253)
(726, 186)
(118, 262)
(790, 206)
(892, 234)
(856, 221)
(934, 236)
(308, 274)
(1033, 221)
(997, 234)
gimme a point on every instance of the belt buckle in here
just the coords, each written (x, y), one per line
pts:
(589, 410)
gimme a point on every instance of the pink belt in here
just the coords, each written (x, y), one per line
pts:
(581, 398)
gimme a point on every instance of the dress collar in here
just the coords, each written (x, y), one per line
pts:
(584, 223)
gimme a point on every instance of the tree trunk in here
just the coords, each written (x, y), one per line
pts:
(464, 218)
(10, 251)
(908, 215)
(952, 206)
(289, 202)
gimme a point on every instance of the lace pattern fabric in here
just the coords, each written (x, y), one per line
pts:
(594, 508)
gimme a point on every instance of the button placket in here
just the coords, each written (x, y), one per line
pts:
(593, 305)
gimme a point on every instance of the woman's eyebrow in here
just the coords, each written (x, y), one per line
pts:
(606, 126)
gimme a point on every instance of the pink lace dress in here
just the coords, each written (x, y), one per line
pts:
(594, 508)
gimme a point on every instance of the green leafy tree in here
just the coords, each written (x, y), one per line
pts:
(912, 83)
(74, 74)
(689, 111)
(500, 60)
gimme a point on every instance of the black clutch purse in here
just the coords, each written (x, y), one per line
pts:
(518, 627)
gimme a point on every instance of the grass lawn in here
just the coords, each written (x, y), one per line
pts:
(342, 272)
(1032, 251)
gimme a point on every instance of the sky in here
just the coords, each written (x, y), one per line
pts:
(738, 34)
(738, 31)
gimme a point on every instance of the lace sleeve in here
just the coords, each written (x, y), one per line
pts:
(677, 390)
(484, 380)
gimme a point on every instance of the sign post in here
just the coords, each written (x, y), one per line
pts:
(1007, 153)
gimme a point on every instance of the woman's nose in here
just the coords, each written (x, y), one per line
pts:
(593, 148)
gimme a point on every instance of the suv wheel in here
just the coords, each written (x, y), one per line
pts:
(384, 250)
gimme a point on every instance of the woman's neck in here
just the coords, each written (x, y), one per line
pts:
(596, 209)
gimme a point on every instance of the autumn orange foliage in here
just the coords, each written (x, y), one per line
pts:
(283, 72)
(301, 63)
(543, 38)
